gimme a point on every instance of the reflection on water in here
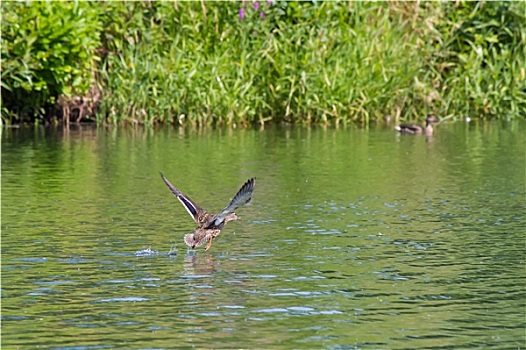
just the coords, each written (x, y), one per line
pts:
(354, 239)
(195, 266)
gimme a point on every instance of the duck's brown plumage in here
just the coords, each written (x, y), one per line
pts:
(209, 225)
(200, 237)
(415, 129)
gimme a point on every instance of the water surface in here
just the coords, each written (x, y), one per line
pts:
(354, 239)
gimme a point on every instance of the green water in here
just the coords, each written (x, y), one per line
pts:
(354, 239)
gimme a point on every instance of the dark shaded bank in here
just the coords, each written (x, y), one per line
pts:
(208, 63)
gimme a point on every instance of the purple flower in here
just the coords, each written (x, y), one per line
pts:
(256, 5)
(269, 2)
(261, 15)
(241, 13)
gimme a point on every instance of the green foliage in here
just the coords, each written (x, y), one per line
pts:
(315, 62)
(303, 62)
(48, 50)
(480, 61)
(298, 62)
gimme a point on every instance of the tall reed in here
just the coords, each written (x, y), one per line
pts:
(244, 63)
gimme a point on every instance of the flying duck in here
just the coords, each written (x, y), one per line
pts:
(209, 225)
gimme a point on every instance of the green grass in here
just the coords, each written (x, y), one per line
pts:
(303, 62)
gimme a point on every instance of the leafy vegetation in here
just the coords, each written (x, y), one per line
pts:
(48, 51)
(256, 62)
(480, 61)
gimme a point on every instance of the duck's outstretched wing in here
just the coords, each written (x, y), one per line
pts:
(242, 197)
(197, 213)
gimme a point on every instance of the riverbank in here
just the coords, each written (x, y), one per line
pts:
(204, 63)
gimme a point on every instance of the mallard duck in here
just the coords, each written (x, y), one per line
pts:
(209, 225)
(417, 129)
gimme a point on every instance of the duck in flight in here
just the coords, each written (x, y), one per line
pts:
(209, 225)
(415, 129)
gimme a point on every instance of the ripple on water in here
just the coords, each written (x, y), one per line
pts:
(121, 299)
(298, 310)
(436, 265)
(32, 260)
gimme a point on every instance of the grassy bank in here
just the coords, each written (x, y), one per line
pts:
(257, 62)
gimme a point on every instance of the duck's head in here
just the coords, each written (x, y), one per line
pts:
(431, 119)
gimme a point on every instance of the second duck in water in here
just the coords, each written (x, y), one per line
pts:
(209, 225)
(414, 129)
